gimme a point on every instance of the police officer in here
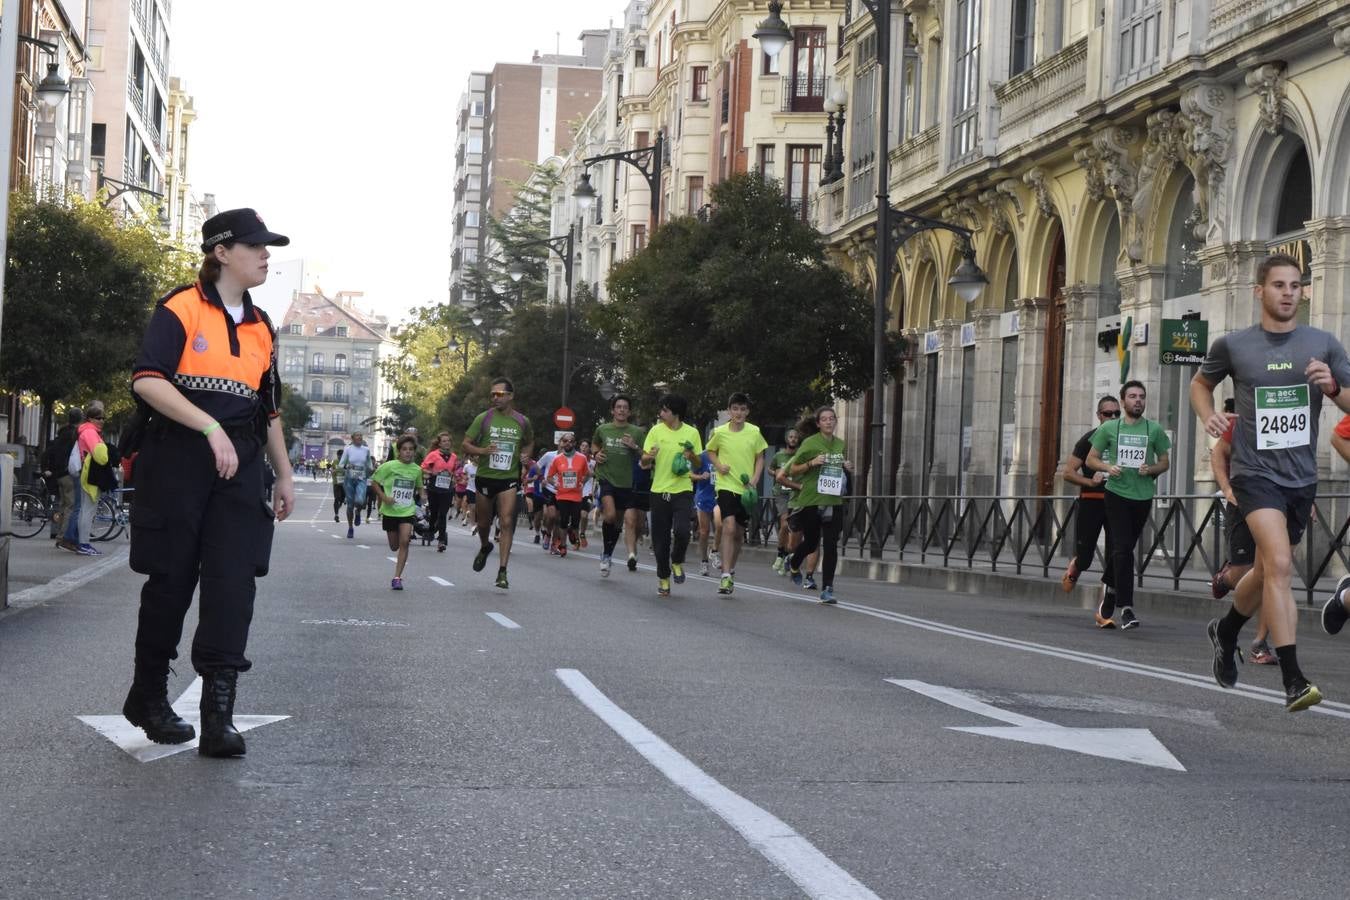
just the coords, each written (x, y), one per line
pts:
(206, 378)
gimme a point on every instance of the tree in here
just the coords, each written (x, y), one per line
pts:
(497, 295)
(295, 413)
(80, 285)
(747, 301)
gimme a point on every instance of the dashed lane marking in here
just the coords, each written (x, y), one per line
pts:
(441, 581)
(502, 620)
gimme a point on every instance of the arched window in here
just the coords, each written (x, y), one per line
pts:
(1183, 266)
(1010, 287)
(340, 363)
(934, 303)
(339, 391)
(317, 362)
(316, 390)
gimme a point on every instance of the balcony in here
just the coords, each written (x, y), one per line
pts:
(1228, 19)
(917, 156)
(344, 399)
(1045, 95)
(803, 93)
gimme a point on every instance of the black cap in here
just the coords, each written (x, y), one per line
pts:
(239, 225)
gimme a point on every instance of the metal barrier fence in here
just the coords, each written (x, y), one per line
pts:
(1182, 546)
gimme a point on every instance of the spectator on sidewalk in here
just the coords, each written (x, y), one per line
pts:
(92, 450)
(55, 469)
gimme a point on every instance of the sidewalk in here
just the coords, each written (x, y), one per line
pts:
(38, 571)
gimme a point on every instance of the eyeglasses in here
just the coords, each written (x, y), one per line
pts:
(496, 395)
(1108, 413)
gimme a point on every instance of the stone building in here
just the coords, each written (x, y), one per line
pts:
(1120, 162)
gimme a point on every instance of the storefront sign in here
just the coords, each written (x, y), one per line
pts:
(932, 340)
(967, 334)
(1184, 342)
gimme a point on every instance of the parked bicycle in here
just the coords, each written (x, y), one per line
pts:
(30, 512)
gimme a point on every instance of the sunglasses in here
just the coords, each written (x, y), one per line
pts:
(1109, 413)
(498, 394)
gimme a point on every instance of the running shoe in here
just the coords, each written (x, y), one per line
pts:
(358, 518)
(663, 587)
(1225, 666)
(632, 563)
(562, 548)
(1301, 695)
(1334, 614)
(1100, 616)
(1261, 654)
(604, 566)
(572, 536)
(89, 550)
(796, 576)
(726, 585)
(703, 567)
(480, 559)
(677, 570)
(827, 596)
(809, 582)
(64, 544)
(778, 565)
(440, 548)
(1128, 619)
(335, 517)
(1218, 585)
(351, 532)
(1070, 576)
(396, 584)
(501, 579)
(584, 543)
(536, 537)
(715, 559)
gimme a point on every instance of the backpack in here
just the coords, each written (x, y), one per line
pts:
(483, 425)
(74, 463)
(58, 449)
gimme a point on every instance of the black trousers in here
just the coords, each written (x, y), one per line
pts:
(190, 527)
(339, 497)
(670, 514)
(817, 531)
(1087, 528)
(1125, 520)
(438, 507)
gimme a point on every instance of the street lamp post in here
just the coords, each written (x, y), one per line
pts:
(647, 160)
(774, 34)
(565, 246)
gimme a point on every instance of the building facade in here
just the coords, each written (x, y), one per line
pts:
(1123, 164)
(129, 67)
(468, 204)
(184, 210)
(330, 354)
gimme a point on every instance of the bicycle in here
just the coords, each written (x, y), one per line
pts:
(112, 516)
(29, 513)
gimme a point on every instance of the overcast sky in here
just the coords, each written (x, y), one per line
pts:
(335, 120)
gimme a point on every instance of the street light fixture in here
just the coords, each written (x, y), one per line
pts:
(773, 33)
(647, 160)
(565, 246)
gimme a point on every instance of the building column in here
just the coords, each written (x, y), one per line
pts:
(1082, 307)
(984, 454)
(1330, 244)
(944, 478)
(909, 474)
(1033, 317)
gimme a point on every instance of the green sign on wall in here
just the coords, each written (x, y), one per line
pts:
(1184, 342)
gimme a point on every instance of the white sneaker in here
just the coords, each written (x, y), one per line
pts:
(703, 567)
(715, 558)
(604, 566)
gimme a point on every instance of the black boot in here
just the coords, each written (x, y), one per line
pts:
(219, 737)
(147, 707)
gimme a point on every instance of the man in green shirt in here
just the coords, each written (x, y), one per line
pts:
(671, 451)
(617, 445)
(1132, 451)
(736, 450)
(500, 438)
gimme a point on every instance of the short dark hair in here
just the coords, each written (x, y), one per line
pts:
(510, 388)
(738, 398)
(74, 415)
(675, 403)
(617, 397)
(1132, 384)
(1229, 405)
(1276, 261)
(407, 439)
(1106, 398)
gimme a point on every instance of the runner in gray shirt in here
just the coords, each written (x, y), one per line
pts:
(1281, 371)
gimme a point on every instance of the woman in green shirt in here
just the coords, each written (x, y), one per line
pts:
(396, 484)
(819, 466)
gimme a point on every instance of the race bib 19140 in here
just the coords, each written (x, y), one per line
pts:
(403, 492)
(1283, 417)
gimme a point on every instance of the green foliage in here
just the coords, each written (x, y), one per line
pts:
(744, 301)
(498, 296)
(79, 289)
(295, 413)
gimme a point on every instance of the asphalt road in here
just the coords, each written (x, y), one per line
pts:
(616, 744)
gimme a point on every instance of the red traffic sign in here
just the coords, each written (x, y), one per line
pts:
(563, 417)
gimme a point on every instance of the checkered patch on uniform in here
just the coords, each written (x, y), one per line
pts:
(211, 383)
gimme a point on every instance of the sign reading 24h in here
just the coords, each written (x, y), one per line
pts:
(1184, 342)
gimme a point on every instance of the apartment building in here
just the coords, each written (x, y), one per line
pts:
(184, 211)
(468, 203)
(330, 354)
(1121, 162)
(128, 65)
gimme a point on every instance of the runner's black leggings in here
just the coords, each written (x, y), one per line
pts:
(1087, 528)
(670, 512)
(1125, 520)
(438, 507)
(815, 531)
(339, 497)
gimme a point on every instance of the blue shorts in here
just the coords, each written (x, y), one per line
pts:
(705, 501)
(355, 488)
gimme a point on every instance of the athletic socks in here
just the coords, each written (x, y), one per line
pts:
(1231, 624)
(610, 534)
(1289, 669)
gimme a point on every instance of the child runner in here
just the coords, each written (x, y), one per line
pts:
(705, 500)
(397, 484)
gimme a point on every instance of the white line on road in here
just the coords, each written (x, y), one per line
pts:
(363, 546)
(812, 870)
(441, 581)
(68, 582)
(392, 559)
(502, 620)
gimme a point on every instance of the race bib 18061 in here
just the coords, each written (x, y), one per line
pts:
(1131, 450)
(1283, 417)
(830, 482)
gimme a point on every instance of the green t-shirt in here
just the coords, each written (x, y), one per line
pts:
(509, 435)
(617, 469)
(400, 482)
(670, 444)
(738, 451)
(1131, 446)
(337, 474)
(821, 485)
(780, 462)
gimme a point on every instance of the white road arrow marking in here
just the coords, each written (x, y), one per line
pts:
(133, 740)
(1136, 745)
